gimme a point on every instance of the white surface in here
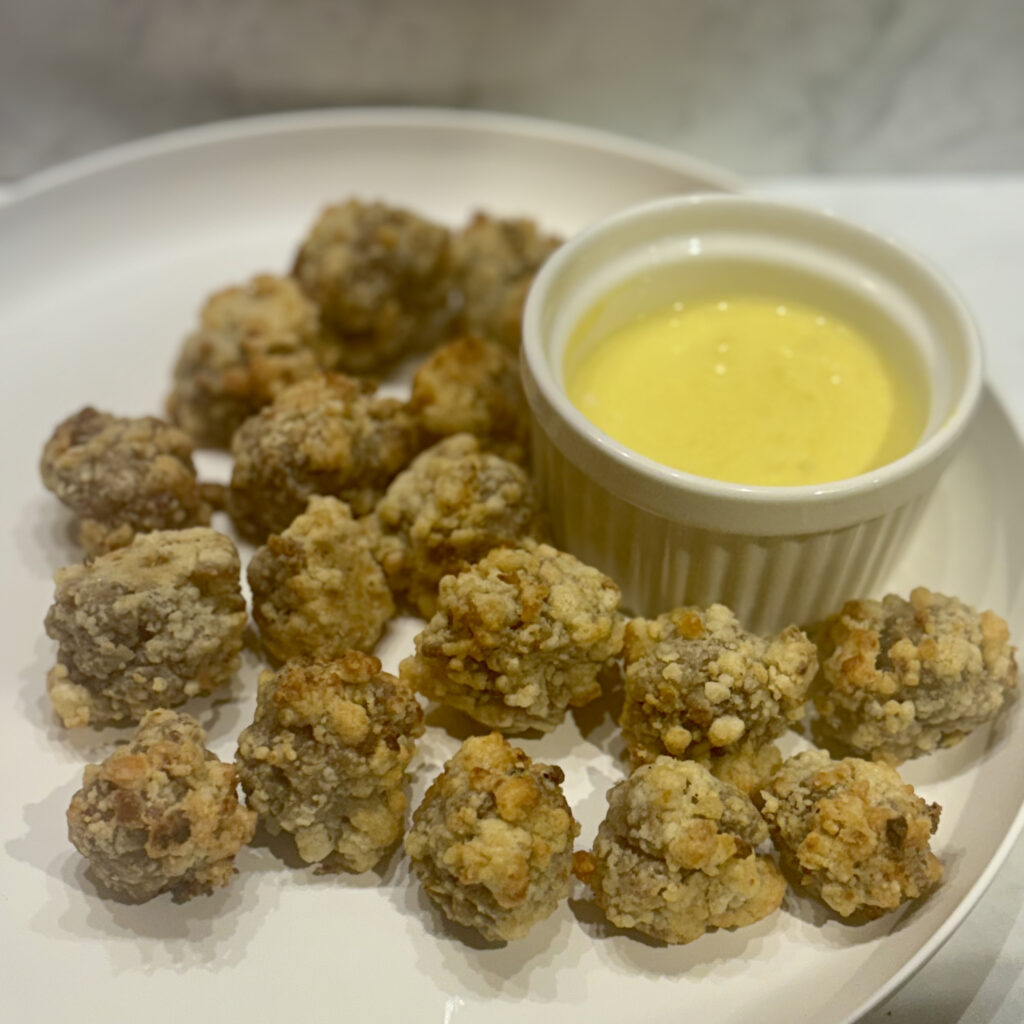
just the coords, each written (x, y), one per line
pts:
(101, 278)
(789, 85)
(973, 229)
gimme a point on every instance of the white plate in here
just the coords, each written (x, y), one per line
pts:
(104, 263)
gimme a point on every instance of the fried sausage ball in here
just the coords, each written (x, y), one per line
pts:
(160, 814)
(146, 626)
(252, 342)
(380, 276)
(446, 511)
(317, 588)
(495, 261)
(492, 840)
(697, 685)
(518, 638)
(327, 435)
(855, 833)
(122, 476)
(325, 758)
(473, 386)
(901, 678)
(676, 856)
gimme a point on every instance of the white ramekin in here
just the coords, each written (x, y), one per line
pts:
(773, 554)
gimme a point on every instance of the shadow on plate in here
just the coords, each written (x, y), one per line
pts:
(598, 721)
(205, 931)
(539, 965)
(719, 952)
(455, 724)
(278, 853)
(832, 928)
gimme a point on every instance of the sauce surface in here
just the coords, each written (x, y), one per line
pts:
(749, 390)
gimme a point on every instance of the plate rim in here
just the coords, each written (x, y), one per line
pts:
(197, 137)
(340, 118)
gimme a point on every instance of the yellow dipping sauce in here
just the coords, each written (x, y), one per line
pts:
(749, 390)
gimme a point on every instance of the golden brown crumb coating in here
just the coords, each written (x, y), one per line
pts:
(160, 814)
(901, 678)
(325, 758)
(492, 840)
(122, 476)
(746, 766)
(317, 588)
(518, 638)
(146, 626)
(853, 831)
(446, 511)
(253, 340)
(495, 261)
(473, 386)
(327, 435)
(676, 856)
(380, 276)
(697, 685)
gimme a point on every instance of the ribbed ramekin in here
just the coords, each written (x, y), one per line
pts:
(773, 554)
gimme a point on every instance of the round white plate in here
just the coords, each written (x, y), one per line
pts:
(104, 263)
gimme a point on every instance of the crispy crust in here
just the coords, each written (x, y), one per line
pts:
(122, 476)
(327, 435)
(676, 855)
(492, 840)
(160, 814)
(903, 678)
(518, 638)
(252, 341)
(473, 386)
(853, 831)
(447, 510)
(697, 685)
(317, 588)
(325, 758)
(146, 626)
(495, 261)
(380, 276)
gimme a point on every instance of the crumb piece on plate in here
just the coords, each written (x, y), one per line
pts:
(146, 626)
(122, 476)
(317, 588)
(697, 685)
(492, 840)
(160, 814)
(495, 261)
(854, 832)
(325, 758)
(327, 435)
(253, 340)
(902, 678)
(447, 510)
(380, 276)
(518, 638)
(473, 386)
(676, 856)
